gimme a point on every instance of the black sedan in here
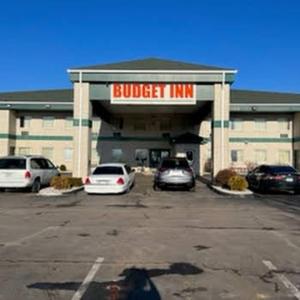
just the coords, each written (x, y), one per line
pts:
(274, 178)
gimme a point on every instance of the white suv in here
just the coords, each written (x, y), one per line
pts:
(26, 172)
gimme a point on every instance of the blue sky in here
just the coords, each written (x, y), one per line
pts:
(39, 40)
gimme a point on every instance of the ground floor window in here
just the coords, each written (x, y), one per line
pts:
(117, 155)
(24, 151)
(260, 156)
(68, 154)
(141, 156)
(47, 152)
(237, 155)
(284, 157)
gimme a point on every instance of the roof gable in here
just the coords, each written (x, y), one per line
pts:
(152, 64)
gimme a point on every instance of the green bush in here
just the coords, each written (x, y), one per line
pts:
(63, 168)
(223, 176)
(65, 182)
(237, 183)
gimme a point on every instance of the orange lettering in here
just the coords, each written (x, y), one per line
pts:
(179, 91)
(136, 90)
(117, 90)
(126, 90)
(154, 90)
(146, 90)
(161, 87)
(189, 91)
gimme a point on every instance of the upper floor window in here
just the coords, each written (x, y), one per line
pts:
(284, 157)
(48, 122)
(25, 121)
(260, 124)
(236, 124)
(284, 124)
(68, 122)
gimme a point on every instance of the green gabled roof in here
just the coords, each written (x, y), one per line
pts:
(250, 96)
(152, 64)
(61, 95)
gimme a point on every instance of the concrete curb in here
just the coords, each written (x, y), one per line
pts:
(222, 191)
(50, 192)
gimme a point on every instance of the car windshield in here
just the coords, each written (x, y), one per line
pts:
(12, 163)
(282, 169)
(108, 170)
(175, 164)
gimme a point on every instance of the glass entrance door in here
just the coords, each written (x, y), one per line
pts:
(156, 156)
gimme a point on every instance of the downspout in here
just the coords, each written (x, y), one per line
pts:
(80, 123)
(222, 119)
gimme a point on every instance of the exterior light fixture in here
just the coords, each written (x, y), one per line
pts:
(48, 106)
(253, 108)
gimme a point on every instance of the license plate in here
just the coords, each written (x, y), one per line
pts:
(289, 179)
(102, 181)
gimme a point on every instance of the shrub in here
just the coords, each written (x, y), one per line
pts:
(223, 176)
(63, 168)
(65, 182)
(237, 183)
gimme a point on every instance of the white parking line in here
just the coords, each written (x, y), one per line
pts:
(88, 279)
(283, 279)
(288, 242)
(29, 237)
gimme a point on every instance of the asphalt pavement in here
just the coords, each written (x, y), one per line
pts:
(149, 245)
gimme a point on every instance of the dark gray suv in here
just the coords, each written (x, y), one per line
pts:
(174, 172)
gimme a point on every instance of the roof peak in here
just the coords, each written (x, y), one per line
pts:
(152, 63)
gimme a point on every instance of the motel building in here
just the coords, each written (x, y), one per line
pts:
(143, 110)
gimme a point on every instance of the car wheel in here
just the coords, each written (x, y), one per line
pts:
(2, 190)
(36, 186)
(193, 188)
(262, 188)
(156, 187)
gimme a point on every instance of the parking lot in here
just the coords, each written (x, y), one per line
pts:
(193, 245)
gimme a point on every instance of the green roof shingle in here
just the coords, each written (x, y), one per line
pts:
(61, 95)
(151, 64)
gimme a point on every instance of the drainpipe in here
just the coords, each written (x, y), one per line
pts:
(222, 119)
(80, 123)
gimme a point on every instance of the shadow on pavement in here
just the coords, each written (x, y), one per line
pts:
(136, 285)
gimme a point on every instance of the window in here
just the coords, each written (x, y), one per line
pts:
(35, 164)
(260, 156)
(117, 155)
(69, 122)
(47, 152)
(24, 151)
(236, 124)
(165, 124)
(108, 170)
(128, 169)
(260, 124)
(284, 124)
(96, 126)
(139, 125)
(190, 156)
(12, 163)
(25, 121)
(284, 157)
(141, 156)
(237, 155)
(68, 154)
(95, 155)
(48, 122)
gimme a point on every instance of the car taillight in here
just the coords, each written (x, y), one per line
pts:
(27, 175)
(274, 177)
(278, 177)
(120, 181)
(87, 180)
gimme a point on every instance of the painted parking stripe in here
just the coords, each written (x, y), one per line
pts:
(88, 279)
(29, 237)
(293, 290)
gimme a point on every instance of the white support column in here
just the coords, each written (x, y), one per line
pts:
(8, 128)
(220, 128)
(82, 112)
